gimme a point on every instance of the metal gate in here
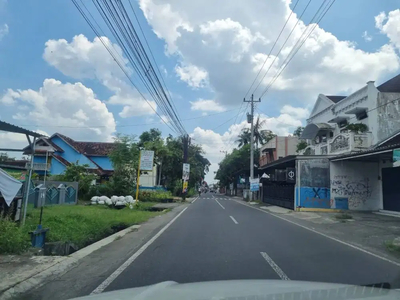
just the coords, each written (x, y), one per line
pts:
(391, 188)
(280, 194)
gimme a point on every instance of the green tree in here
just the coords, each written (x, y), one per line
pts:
(81, 174)
(125, 160)
(267, 135)
(244, 137)
(298, 131)
(301, 145)
(258, 132)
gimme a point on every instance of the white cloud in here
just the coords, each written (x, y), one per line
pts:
(192, 75)
(206, 105)
(70, 105)
(228, 45)
(296, 112)
(366, 36)
(391, 27)
(213, 143)
(81, 59)
(3, 31)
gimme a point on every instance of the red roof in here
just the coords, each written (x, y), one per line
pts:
(89, 148)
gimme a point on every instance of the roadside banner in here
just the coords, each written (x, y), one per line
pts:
(185, 186)
(146, 160)
(254, 185)
(186, 171)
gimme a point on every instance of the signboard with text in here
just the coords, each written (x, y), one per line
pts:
(186, 171)
(146, 160)
(254, 185)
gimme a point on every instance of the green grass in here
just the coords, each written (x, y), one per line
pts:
(81, 225)
(391, 247)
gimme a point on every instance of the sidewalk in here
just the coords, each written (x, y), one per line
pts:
(366, 230)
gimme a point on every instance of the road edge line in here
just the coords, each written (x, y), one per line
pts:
(131, 259)
(274, 266)
(194, 200)
(325, 235)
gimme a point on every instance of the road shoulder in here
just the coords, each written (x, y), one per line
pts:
(89, 270)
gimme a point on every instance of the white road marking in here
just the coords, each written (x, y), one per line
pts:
(325, 235)
(234, 221)
(274, 266)
(219, 203)
(131, 259)
(195, 199)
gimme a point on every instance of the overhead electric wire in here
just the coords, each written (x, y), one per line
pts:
(155, 62)
(118, 21)
(283, 45)
(273, 46)
(299, 43)
(116, 60)
(127, 125)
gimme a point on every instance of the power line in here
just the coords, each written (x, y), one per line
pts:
(279, 35)
(115, 59)
(299, 44)
(127, 125)
(283, 45)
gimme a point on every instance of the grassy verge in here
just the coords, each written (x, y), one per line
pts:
(81, 225)
(391, 247)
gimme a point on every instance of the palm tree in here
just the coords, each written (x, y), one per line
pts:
(258, 134)
(244, 137)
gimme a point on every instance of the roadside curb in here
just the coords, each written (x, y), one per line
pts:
(62, 267)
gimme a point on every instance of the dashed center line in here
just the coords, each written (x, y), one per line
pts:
(234, 221)
(219, 204)
(274, 266)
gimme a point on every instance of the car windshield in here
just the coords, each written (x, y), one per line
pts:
(165, 148)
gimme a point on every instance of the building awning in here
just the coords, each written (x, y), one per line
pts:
(4, 126)
(313, 129)
(338, 119)
(356, 110)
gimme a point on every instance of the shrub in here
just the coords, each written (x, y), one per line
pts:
(154, 196)
(14, 239)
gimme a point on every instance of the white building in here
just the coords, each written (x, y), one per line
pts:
(361, 168)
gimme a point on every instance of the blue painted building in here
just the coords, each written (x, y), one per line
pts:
(63, 151)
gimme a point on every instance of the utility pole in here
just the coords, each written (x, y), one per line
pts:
(185, 141)
(250, 119)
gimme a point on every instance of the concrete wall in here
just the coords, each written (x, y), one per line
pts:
(312, 183)
(388, 115)
(56, 167)
(103, 161)
(358, 183)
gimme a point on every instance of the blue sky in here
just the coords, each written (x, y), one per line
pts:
(203, 54)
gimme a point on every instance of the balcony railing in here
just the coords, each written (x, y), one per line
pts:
(340, 144)
(38, 166)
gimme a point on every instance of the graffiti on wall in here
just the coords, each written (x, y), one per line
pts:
(315, 197)
(358, 191)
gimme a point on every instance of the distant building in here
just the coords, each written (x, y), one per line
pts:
(278, 147)
(63, 151)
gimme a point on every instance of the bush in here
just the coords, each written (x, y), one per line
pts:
(14, 239)
(191, 192)
(154, 196)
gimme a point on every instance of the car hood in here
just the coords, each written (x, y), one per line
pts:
(246, 289)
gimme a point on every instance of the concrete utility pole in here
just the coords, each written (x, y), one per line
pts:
(250, 119)
(185, 142)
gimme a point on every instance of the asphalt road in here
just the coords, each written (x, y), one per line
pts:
(217, 238)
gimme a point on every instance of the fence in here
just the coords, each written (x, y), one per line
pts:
(55, 192)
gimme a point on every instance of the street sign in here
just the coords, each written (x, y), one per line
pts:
(396, 157)
(291, 175)
(186, 171)
(146, 160)
(254, 185)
